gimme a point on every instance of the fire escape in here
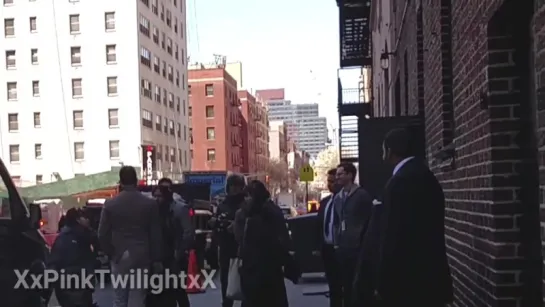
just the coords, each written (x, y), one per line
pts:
(354, 96)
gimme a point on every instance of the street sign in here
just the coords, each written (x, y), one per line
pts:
(306, 173)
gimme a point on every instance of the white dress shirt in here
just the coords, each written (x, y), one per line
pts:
(400, 165)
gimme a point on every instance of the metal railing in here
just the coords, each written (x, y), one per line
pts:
(348, 133)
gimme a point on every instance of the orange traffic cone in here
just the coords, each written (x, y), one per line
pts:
(194, 276)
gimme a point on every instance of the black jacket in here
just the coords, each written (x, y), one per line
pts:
(74, 249)
(413, 258)
(226, 239)
(321, 219)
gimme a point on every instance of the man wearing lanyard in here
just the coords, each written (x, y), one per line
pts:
(353, 208)
(326, 226)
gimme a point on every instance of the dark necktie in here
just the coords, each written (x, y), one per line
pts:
(328, 216)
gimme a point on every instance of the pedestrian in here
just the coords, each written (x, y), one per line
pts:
(73, 253)
(130, 235)
(260, 229)
(178, 237)
(353, 206)
(326, 213)
(222, 225)
(413, 268)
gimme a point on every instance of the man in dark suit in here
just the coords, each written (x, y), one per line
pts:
(326, 213)
(353, 206)
(130, 234)
(413, 268)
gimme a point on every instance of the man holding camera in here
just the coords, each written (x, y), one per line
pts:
(222, 224)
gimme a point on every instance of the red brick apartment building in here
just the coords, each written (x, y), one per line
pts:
(256, 135)
(215, 121)
(270, 94)
(474, 70)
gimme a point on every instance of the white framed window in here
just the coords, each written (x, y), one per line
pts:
(77, 90)
(37, 120)
(34, 56)
(11, 59)
(113, 118)
(109, 21)
(114, 149)
(39, 179)
(33, 24)
(112, 86)
(75, 55)
(77, 119)
(157, 93)
(12, 90)
(147, 118)
(211, 155)
(37, 151)
(74, 24)
(36, 88)
(13, 122)
(111, 54)
(79, 151)
(9, 27)
(14, 153)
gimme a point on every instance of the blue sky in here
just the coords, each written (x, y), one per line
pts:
(282, 43)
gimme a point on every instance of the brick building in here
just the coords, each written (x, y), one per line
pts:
(255, 135)
(473, 70)
(270, 94)
(215, 121)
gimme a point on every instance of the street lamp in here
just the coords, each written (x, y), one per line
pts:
(385, 59)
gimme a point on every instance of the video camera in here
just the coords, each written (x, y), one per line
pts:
(222, 222)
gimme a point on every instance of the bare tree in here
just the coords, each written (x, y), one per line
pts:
(277, 170)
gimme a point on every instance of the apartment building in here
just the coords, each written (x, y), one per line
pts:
(87, 83)
(256, 137)
(216, 121)
(278, 144)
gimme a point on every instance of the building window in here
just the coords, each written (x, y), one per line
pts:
(165, 95)
(77, 88)
(13, 153)
(109, 21)
(112, 86)
(74, 24)
(209, 88)
(79, 151)
(145, 86)
(179, 130)
(171, 127)
(9, 27)
(164, 69)
(77, 119)
(185, 133)
(190, 111)
(169, 46)
(35, 88)
(163, 40)
(37, 120)
(13, 122)
(169, 18)
(172, 154)
(37, 151)
(39, 179)
(176, 51)
(211, 155)
(12, 90)
(178, 105)
(144, 25)
(156, 64)
(177, 78)
(189, 90)
(145, 2)
(210, 133)
(145, 56)
(8, 2)
(113, 117)
(75, 55)
(156, 35)
(11, 60)
(165, 125)
(114, 149)
(147, 119)
(176, 25)
(111, 55)
(171, 100)
(154, 7)
(34, 56)
(33, 24)
(158, 122)
(209, 111)
(170, 74)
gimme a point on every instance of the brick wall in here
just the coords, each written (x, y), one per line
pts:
(467, 72)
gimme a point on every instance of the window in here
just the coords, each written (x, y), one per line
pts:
(114, 149)
(157, 65)
(176, 52)
(158, 121)
(154, 8)
(79, 151)
(11, 62)
(209, 111)
(147, 119)
(185, 133)
(164, 69)
(37, 120)
(33, 25)
(211, 155)
(145, 88)
(12, 90)
(179, 130)
(74, 24)
(189, 90)
(177, 104)
(162, 12)
(77, 88)
(35, 88)
(177, 78)
(13, 122)
(113, 117)
(183, 107)
(37, 151)
(190, 111)
(77, 119)
(144, 25)
(156, 35)
(169, 46)
(171, 127)
(209, 89)
(39, 179)
(13, 153)
(75, 55)
(163, 40)
(165, 95)
(170, 73)
(169, 18)
(9, 27)
(145, 56)
(7, 2)
(172, 154)
(210, 133)
(145, 2)
(165, 125)
(112, 85)
(34, 56)
(176, 25)
(109, 21)
(157, 94)
(111, 56)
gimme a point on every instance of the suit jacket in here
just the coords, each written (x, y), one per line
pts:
(355, 210)
(184, 227)
(321, 220)
(130, 228)
(413, 257)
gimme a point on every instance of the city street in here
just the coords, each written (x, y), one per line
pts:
(212, 297)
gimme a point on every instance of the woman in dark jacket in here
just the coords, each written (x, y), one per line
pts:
(74, 253)
(261, 231)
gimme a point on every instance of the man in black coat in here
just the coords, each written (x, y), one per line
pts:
(413, 268)
(325, 238)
